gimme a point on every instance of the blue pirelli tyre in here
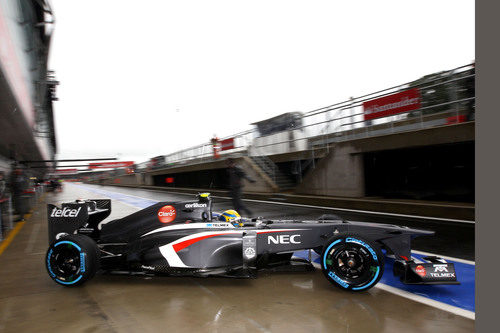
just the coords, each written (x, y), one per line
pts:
(72, 260)
(351, 262)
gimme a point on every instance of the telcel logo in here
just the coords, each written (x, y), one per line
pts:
(283, 239)
(65, 212)
(167, 214)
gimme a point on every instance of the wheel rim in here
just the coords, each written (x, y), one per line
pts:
(352, 263)
(64, 262)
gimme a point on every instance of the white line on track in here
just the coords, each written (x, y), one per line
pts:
(427, 301)
(363, 211)
(421, 299)
(323, 207)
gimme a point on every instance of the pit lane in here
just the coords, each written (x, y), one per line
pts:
(275, 302)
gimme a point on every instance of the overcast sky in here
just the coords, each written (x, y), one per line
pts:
(146, 78)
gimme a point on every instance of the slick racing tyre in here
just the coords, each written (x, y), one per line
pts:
(351, 262)
(72, 260)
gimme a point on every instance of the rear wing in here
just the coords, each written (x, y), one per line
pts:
(79, 214)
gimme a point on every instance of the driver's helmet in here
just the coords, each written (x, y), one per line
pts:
(230, 216)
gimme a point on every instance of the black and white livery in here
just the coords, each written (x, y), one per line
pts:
(185, 239)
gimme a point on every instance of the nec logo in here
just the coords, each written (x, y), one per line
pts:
(65, 212)
(283, 239)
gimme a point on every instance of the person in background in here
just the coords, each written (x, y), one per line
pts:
(3, 190)
(236, 176)
(3, 185)
(18, 184)
(215, 146)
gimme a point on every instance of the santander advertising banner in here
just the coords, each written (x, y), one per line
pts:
(404, 101)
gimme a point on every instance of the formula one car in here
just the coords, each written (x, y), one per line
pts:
(186, 239)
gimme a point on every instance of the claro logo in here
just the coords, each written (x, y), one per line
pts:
(283, 239)
(421, 270)
(167, 214)
(65, 212)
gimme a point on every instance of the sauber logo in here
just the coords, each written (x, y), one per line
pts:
(283, 239)
(420, 270)
(167, 214)
(249, 252)
(65, 212)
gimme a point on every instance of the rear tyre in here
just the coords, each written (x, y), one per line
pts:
(72, 260)
(351, 262)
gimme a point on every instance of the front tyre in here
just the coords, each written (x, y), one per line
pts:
(72, 260)
(351, 262)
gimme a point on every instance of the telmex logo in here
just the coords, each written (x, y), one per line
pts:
(195, 205)
(167, 214)
(65, 212)
(283, 239)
